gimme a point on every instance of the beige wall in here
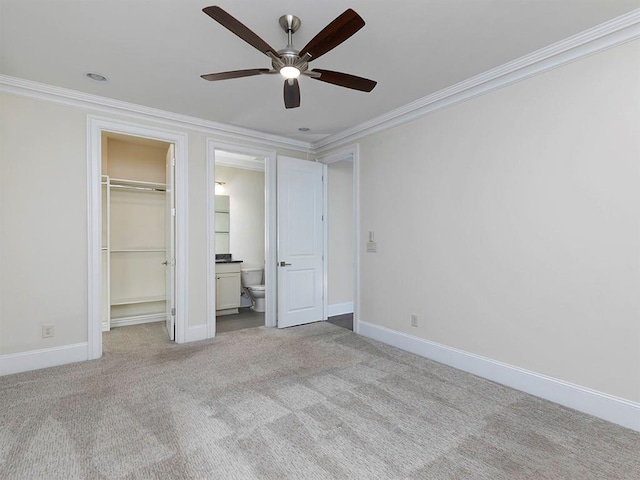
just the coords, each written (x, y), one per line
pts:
(134, 161)
(340, 232)
(510, 224)
(43, 222)
(246, 206)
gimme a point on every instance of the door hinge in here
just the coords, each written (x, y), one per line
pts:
(173, 212)
(173, 312)
(173, 162)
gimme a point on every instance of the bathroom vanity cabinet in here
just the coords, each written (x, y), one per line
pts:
(228, 288)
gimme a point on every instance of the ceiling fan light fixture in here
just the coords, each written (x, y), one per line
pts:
(289, 72)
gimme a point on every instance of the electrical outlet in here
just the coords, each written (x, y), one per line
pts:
(47, 331)
(372, 247)
(414, 320)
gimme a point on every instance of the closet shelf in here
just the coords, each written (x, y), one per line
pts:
(130, 301)
(137, 185)
(138, 250)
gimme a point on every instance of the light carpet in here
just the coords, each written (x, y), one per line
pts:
(310, 402)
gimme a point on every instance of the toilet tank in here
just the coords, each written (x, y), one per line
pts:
(251, 276)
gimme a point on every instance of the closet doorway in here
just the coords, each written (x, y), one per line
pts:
(97, 264)
(138, 231)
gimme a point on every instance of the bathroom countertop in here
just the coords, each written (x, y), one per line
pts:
(228, 261)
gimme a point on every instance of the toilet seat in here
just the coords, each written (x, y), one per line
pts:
(257, 288)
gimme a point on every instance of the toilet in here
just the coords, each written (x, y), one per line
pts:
(252, 282)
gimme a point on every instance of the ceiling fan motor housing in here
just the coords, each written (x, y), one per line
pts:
(289, 23)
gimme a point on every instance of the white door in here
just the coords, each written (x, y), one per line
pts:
(170, 242)
(300, 246)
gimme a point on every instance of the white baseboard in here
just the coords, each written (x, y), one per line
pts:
(47, 357)
(614, 409)
(137, 320)
(339, 309)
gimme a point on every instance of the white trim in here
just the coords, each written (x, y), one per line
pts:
(269, 160)
(197, 333)
(95, 127)
(617, 31)
(325, 241)
(46, 357)
(271, 241)
(210, 178)
(602, 405)
(352, 152)
(137, 320)
(355, 157)
(28, 88)
(339, 309)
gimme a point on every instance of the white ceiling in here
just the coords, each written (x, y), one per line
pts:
(154, 51)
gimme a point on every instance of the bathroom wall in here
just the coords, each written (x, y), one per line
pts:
(246, 205)
(340, 236)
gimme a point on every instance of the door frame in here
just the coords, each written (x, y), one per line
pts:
(270, 243)
(95, 126)
(351, 152)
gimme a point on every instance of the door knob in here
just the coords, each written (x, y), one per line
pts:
(282, 264)
(165, 262)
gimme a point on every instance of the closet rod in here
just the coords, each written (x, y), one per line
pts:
(131, 187)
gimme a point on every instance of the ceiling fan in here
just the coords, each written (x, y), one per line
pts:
(290, 62)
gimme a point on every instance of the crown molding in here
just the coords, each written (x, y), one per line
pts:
(612, 33)
(28, 88)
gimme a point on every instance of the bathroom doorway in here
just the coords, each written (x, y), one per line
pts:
(239, 218)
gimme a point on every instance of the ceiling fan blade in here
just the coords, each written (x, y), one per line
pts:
(291, 93)
(344, 80)
(235, 74)
(235, 26)
(334, 34)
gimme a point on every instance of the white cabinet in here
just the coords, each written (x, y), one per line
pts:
(222, 224)
(227, 288)
(222, 242)
(222, 203)
(133, 232)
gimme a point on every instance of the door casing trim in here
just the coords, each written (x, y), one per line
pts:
(95, 126)
(351, 152)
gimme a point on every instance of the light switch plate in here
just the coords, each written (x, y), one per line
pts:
(47, 331)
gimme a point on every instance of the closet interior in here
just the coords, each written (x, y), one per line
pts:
(133, 230)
